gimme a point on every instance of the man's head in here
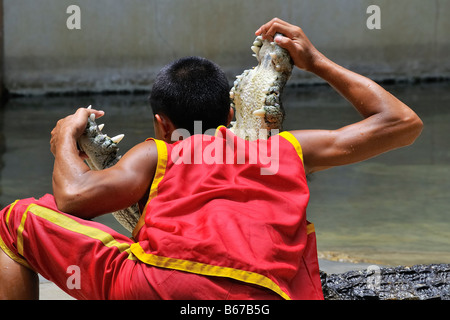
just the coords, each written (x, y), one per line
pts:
(187, 90)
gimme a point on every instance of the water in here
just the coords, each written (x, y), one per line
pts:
(393, 209)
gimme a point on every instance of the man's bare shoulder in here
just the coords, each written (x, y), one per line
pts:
(144, 154)
(314, 144)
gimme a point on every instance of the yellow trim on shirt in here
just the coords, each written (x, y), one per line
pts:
(206, 269)
(20, 231)
(159, 175)
(12, 255)
(9, 212)
(72, 225)
(218, 129)
(290, 137)
(310, 228)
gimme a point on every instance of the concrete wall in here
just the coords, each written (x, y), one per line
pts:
(122, 44)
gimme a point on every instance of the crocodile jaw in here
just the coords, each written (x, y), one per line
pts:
(256, 92)
(103, 153)
(101, 149)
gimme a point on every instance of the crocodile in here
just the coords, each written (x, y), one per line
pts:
(256, 97)
(103, 152)
(256, 94)
(418, 282)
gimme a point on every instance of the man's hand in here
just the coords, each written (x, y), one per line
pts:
(71, 127)
(88, 193)
(302, 51)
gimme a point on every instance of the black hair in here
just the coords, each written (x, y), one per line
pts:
(192, 89)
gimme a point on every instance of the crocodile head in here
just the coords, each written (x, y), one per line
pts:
(102, 152)
(256, 94)
(101, 149)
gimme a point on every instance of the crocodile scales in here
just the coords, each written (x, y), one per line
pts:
(419, 282)
(256, 94)
(102, 152)
(256, 97)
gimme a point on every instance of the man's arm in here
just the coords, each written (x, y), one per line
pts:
(387, 124)
(86, 193)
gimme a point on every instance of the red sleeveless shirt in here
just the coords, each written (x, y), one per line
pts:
(222, 206)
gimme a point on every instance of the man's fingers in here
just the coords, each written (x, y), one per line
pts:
(98, 113)
(88, 111)
(264, 28)
(284, 42)
(279, 27)
(268, 30)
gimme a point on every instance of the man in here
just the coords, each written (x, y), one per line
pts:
(209, 230)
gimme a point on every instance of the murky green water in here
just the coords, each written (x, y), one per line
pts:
(393, 209)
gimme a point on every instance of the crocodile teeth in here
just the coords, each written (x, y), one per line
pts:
(259, 89)
(90, 107)
(255, 49)
(231, 94)
(257, 43)
(260, 112)
(117, 138)
(101, 126)
(92, 116)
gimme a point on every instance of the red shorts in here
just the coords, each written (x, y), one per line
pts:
(91, 261)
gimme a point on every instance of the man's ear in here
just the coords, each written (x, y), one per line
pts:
(230, 116)
(163, 128)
